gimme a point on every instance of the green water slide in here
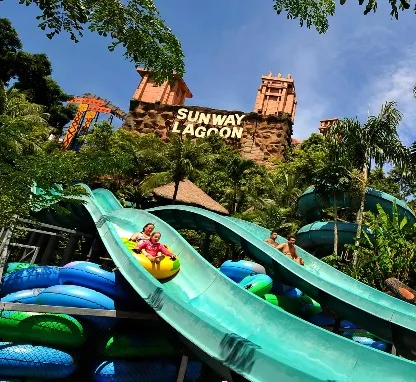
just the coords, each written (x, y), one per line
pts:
(318, 236)
(310, 206)
(387, 317)
(231, 328)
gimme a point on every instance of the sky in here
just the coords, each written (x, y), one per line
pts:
(360, 63)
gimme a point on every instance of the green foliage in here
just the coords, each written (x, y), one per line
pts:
(9, 45)
(377, 140)
(121, 160)
(391, 183)
(24, 161)
(316, 12)
(309, 12)
(133, 24)
(391, 254)
(32, 73)
(302, 162)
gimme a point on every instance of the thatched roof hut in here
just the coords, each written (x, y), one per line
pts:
(189, 194)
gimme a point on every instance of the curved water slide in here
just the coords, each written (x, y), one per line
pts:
(388, 318)
(318, 236)
(227, 326)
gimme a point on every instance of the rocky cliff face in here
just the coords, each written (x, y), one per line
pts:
(263, 137)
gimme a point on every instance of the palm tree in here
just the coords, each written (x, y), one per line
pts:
(237, 170)
(184, 157)
(331, 183)
(376, 140)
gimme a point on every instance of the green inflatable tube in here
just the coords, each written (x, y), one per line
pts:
(11, 267)
(302, 306)
(41, 328)
(138, 345)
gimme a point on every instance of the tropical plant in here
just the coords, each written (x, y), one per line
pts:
(391, 252)
(376, 140)
(133, 24)
(31, 74)
(237, 171)
(313, 12)
(183, 157)
(332, 182)
(23, 160)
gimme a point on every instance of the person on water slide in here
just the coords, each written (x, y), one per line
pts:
(272, 240)
(290, 251)
(154, 250)
(144, 235)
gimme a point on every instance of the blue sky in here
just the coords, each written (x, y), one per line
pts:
(361, 62)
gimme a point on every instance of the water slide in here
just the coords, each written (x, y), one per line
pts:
(230, 328)
(318, 236)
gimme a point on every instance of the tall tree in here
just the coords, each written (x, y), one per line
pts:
(23, 160)
(376, 140)
(316, 12)
(184, 157)
(32, 75)
(237, 170)
(133, 24)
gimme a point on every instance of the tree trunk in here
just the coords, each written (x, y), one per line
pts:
(335, 226)
(360, 213)
(175, 192)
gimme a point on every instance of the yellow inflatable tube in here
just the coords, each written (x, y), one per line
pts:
(166, 268)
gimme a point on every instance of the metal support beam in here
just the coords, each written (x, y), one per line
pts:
(4, 250)
(205, 245)
(50, 248)
(182, 369)
(97, 250)
(77, 311)
(42, 242)
(50, 233)
(66, 230)
(32, 240)
(33, 251)
(70, 249)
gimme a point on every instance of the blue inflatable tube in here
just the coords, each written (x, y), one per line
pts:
(89, 275)
(144, 371)
(24, 296)
(29, 278)
(285, 290)
(238, 270)
(75, 296)
(322, 319)
(34, 362)
(79, 297)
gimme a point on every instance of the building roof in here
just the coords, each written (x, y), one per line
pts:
(190, 194)
(182, 83)
(296, 142)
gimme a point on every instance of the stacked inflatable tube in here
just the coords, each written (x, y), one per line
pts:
(34, 362)
(144, 371)
(41, 328)
(29, 278)
(83, 285)
(147, 342)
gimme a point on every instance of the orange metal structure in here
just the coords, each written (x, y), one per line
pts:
(90, 106)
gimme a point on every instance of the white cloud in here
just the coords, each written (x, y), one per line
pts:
(395, 82)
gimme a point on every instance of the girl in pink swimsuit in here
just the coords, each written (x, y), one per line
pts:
(153, 250)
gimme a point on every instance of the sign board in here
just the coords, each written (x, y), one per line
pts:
(194, 122)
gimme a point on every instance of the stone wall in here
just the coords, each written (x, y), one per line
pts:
(263, 137)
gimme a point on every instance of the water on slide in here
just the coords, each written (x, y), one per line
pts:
(230, 326)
